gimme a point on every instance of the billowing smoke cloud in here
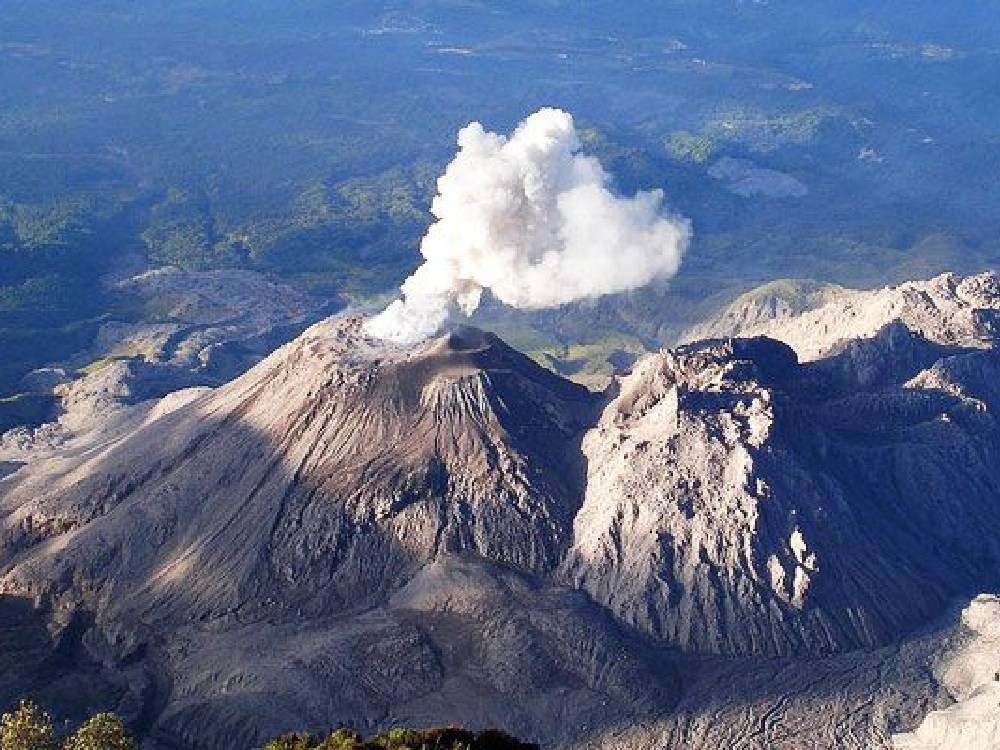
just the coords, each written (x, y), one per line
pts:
(532, 220)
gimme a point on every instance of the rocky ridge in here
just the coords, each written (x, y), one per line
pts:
(195, 329)
(462, 528)
(741, 503)
(815, 320)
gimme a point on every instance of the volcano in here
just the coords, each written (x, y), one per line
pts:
(363, 533)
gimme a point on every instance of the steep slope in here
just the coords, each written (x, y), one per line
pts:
(318, 481)
(740, 503)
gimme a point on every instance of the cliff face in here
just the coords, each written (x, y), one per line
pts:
(738, 502)
(363, 533)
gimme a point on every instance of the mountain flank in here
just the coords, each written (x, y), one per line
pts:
(377, 534)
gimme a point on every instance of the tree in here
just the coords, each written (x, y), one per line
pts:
(292, 741)
(102, 732)
(26, 728)
(342, 739)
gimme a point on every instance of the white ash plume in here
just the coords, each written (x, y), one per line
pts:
(531, 219)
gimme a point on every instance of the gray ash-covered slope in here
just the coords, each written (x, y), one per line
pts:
(741, 503)
(277, 553)
(818, 319)
(361, 533)
(321, 480)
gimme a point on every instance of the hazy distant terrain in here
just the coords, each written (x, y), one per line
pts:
(854, 144)
(235, 502)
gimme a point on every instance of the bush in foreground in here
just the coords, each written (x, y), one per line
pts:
(102, 732)
(442, 738)
(28, 727)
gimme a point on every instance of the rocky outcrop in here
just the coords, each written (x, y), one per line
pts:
(971, 672)
(738, 502)
(815, 320)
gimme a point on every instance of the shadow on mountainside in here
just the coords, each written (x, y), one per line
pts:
(238, 571)
(275, 556)
(53, 669)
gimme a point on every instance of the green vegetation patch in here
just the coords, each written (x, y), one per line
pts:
(692, 147)
(98, 364)
(593, 363)
(29, 727)
(441, 738)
